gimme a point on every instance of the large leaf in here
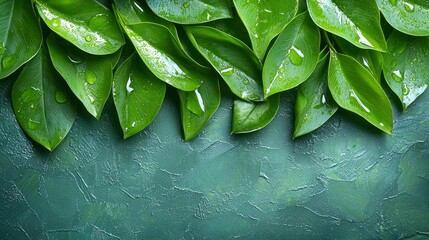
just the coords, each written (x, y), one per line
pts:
(406, 66)
(293, 56)
(198, 106)
(191, 11)
(86, 23)
(138, 95)
(264, 20)
(314, 103)
(88, 76)
(250, 116)
(232, 59)
(354, 88)
(19, 30)
(42, 103)
(356, 21)
(408, 16)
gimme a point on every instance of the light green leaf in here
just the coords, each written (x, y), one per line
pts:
(138, 95)
(191, 11)
(314, 103)
(86, 23)
(42, 103)
(19, 30)
(232, 59)
(355, 89)
(197, 107)
(356, 21)
(408, 16)
(264, 20)
(406, 66)
(293, 56)
(250, 116)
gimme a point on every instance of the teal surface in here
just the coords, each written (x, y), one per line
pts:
(345, 181)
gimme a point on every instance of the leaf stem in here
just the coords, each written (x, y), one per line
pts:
(331, 46)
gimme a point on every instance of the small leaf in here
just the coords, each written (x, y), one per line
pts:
(42, 103)
(406, 66)
(191, 11)
(138, 95)
(19, 29)
(198, 106)
(355, 89)
(408, 16)
(356, 21)
(314, 103)
(293, 56)
(232, 59)
(90, 26)
(264, 20)
(249, 116)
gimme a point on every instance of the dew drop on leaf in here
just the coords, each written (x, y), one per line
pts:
(296, 56)
(56, 22)
(405, 89)
(137, 6)
(128, 85)
(393, 2)
(227, 72)
(33, 124)
(60, 97)
(397, 75)
(88, 38)
(246, 82)
(90, 77)
(74, 59)
(408, 7)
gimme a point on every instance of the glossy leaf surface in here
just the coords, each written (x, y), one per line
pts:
(314, 103)
(406, 66)
(88, 76)
(408, 16)
(197, 107)
(138, 95)
(293, 56)
(264, 20)
(191, 11)
(232, 59)
(250, 116)
(355, 89)
(356, 21)
(19, 29)
(42, 103)
(86, 23)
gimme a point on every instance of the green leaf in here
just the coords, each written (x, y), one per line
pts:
(42, 103)
(191, 11)
(197, 107)
(86, 23)
(314, 103)
(249, 116)
(293, 56)
(88, 76)
(355, 89)
(264, 20)
(408, 16)
(19, 30)
(356, 21)
(138, 95)
(406, 66)
(232, 59)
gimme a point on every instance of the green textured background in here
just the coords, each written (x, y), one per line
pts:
(344, 181)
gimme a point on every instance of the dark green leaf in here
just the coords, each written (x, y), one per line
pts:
(293, 56)
(86, 23)
(42, 103)
(406, 66)
(138, 95)
(354, 88)
(232, 59)
(19, 30)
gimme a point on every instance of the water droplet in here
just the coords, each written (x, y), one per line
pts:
(60, 97)
(33, 124)
(88, 38)
(186, 4)
(393, 2)
(397, 76)
(137, 6)
(128, 85)
(323, 100)
(405, 89)
(32, 105)
(354, 96)
(8, 62)
(296, 56)
(90, 77)
(246, 82)
(2, 48)
(99, 21)
(227, 72)
(91, 99)
(382, 124)
(74, 58)
(56, 22)
(363, 40)
(408, 7)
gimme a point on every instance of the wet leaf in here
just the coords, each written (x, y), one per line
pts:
(293, 56)
(90, 26)
(42, 103)
(264, 20)
(232, 59)
(354, 88)
(406, 66)
(138, 95)
(19, 29)
(356, 21)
